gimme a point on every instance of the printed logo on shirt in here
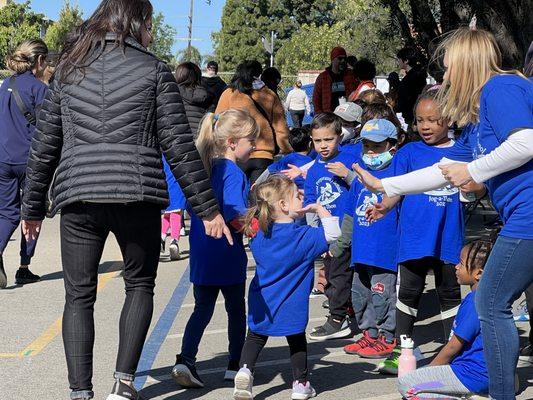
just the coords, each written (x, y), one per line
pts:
(441, 197)
(337, 87)
(365, 199)
(378, 288)
(328, 191)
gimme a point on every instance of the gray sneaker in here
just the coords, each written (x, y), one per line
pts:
(244, 382)
(301, 391)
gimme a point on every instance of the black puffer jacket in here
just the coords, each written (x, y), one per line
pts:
(100, 139)
(197, 101)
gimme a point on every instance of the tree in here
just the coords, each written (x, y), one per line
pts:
(195, 56)
(17, 23)
(421, 22)
(70, 17)
(164, 37)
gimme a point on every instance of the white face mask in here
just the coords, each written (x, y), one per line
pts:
(347, 134)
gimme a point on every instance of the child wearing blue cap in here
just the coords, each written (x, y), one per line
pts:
(374, 248)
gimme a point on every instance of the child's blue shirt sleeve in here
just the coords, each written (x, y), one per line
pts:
(235, 202)
(467, 326)
(309, 189)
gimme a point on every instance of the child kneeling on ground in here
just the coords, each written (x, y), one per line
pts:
(459, 370)
(278, 299)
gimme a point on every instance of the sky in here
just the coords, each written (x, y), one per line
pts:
(176, 12)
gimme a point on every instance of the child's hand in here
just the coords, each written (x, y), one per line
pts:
(367, 179)
(376, 212)
(339, 169)
(294, 172)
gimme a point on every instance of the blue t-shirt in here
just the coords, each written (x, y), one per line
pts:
(278, 299)
(296, 159)
(16, 132)
(175, 194)
(431, 223)
(373, 244)
(355, 149)
(214, 262)
(506, 105)
(327, 188)
(470, 366)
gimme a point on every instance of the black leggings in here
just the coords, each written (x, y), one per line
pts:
(298, 349)
(412, 279)
(254, 167)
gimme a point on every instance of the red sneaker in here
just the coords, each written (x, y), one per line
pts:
(379, 349)
(363, 342)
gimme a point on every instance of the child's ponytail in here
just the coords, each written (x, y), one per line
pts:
(206, 141)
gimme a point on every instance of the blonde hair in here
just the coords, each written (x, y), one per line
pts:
(277, 187)
(473, 58)
(26, 55)
(215, 130)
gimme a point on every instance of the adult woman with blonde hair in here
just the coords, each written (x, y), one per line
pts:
(21, 96)
(111, 110)
(495, 109)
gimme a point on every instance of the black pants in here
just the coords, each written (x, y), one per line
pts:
(12, 182)
(529, 301)
(84, 230)
(254, 167)
(339, 278)
(412, 279)
(297, 117)
(297, 346)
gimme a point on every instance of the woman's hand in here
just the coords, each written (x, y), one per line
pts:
(376, 212)
(215, 226)
(294, 172)
(31, 229)
(456, 173)
(339, 169)
(372, 183)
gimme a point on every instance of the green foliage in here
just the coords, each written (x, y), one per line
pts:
(195, 56)
(70, 17)
(5, 73)
(164, 37)
(17, 23)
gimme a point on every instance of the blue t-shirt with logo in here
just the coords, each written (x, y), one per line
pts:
(506, 105)
(213, 262)
(470, 366)
(296, 159)
(278, 299)
(431, 223)
(328, 189)
(374, 244)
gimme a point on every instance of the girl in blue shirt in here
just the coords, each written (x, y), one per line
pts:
(278, 298)
(459, 369)
(215, 265)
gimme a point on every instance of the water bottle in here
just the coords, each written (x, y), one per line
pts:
(407, 361)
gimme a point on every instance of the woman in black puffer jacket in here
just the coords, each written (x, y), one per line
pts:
(110, 111)
(196, 99)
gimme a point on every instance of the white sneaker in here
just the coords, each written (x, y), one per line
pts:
(174, 250)
(301, 391)
(244, 381)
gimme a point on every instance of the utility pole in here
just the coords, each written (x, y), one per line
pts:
(189, 47)
(269, 46)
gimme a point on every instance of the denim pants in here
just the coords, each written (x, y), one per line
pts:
(84, 230)
(507, 274)
(205, 298)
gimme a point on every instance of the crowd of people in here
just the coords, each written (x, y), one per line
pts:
(373, 191)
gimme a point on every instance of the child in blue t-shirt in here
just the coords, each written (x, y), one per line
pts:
(215, 265)
(459, 369)
(328, 182)
(278, 298)
(374, 248)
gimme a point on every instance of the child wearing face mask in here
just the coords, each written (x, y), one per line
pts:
(374, 248)
(350, 115)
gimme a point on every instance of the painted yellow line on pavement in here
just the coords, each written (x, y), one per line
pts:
(53, 330)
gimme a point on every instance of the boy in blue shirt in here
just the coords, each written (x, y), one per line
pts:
(374, 248)
(328, 183)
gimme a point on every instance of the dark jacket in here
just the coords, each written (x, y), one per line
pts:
(197, 102)
(408, 91)
(103, 136)
(216, 86)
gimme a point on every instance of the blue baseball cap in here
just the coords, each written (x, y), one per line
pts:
(379, 130)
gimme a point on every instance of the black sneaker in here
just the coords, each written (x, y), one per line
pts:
(526, 353)
(24, 276)
(3, 276)
(122, 391)
(162, 246)
(331, 330)
(231, 371)
(185, 375)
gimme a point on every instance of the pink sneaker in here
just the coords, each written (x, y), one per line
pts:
(301, 391)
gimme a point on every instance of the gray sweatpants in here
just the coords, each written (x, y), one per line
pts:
(374, 300)
(433, 383)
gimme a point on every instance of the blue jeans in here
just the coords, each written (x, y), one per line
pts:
(507, 274)
(205, 298)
